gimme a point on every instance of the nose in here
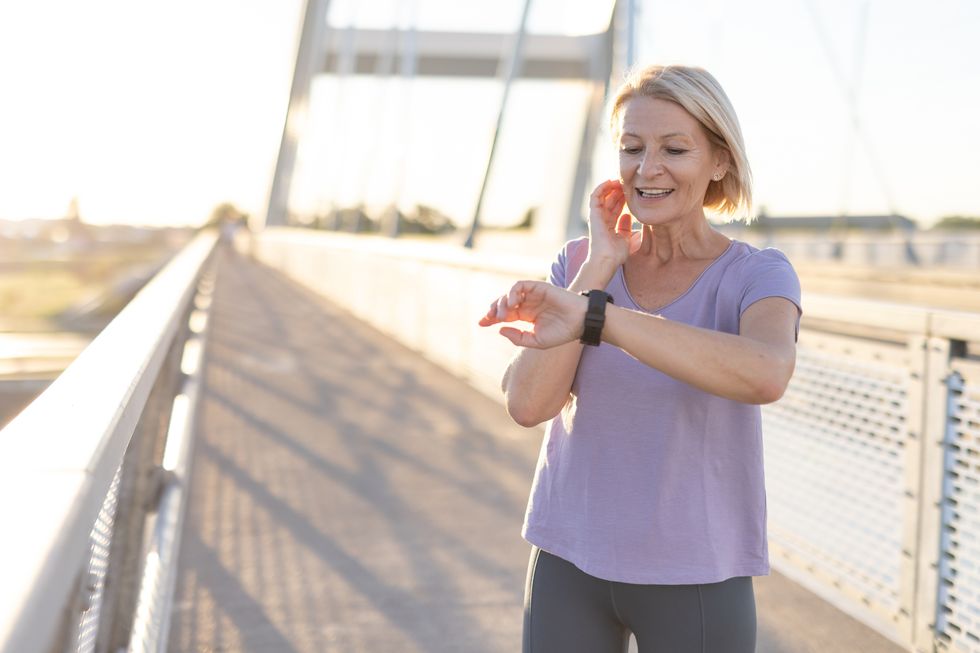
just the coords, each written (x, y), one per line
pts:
(650, 165)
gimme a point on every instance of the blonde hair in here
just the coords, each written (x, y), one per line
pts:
(700, 94)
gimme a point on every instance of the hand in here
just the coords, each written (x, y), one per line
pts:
(556, 315)
(611, 236)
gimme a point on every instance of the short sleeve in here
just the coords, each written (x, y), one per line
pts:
(557, 276)
(771, 275)
(568, 262)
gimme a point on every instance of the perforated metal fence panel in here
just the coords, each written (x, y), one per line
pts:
(100, 542)
(836, 456)
(958, 618)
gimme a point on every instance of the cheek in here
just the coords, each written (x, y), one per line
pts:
(695, 188)
(625, 168)
(695, 177)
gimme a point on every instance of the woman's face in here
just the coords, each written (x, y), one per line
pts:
(665, 161)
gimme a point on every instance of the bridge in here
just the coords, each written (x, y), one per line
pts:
(283, 452)
(292, 439)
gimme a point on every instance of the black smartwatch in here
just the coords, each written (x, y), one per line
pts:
(595, 316)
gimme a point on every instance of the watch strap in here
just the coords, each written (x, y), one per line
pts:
(595, 316)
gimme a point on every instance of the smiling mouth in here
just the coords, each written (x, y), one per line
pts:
(654, 193)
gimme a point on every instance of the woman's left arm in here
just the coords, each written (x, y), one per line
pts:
(753, 367)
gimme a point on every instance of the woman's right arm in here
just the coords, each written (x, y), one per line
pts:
(537, 382)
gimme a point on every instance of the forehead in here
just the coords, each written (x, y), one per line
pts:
(646, 116)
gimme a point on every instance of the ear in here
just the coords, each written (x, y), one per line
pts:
(723, 161)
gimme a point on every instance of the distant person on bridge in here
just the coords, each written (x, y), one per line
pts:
(648, 511)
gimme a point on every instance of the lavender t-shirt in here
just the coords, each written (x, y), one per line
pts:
(646, 479)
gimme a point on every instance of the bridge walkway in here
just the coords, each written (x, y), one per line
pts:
(347, 495)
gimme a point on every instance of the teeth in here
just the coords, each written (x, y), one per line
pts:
(653, 192)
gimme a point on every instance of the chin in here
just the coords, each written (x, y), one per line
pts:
(652, 220)
(641, 215)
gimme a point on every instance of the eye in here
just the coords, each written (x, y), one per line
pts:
(632, 149)
(675, 150)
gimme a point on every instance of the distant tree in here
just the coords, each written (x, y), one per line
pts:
(225, 213)
(761, 222)
(430, 220)
(528, 221)
(957, 222)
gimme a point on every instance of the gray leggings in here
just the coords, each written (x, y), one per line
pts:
(569, 611)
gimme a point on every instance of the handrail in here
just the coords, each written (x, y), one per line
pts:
(60, 455)
(894, 317)
(151, 624)
(955, 325)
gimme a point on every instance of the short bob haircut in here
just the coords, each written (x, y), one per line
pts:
(697, 91)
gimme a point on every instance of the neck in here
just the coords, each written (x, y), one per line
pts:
(690, 240)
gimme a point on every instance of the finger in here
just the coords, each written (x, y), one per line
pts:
(497, 312)
(602, 190)
(615, 189)
(614, 203)
(620, 200)
(624, 225)
(512, 334)
(516, 295)
(519, 338)
(489, 317)
(615, 198)
(525, 295)
(636, 239)
(504, 308)
(596, 197)
(492, 311)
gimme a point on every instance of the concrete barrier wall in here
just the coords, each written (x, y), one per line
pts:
(430, 299)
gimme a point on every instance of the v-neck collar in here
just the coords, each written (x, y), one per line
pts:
(660, 309)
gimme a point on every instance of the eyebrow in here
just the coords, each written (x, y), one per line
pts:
(663, 137)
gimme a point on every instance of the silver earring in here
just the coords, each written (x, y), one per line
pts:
(717, 177)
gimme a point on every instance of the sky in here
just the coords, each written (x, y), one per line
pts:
(153, 113)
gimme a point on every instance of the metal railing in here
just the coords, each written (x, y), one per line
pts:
(87, 468)
(872, 455)
(855, 457)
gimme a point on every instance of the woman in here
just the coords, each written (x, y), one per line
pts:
(647, 513)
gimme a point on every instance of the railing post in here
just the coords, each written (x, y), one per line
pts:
(934, 423)
(912, 514)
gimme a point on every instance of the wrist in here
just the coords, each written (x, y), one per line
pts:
(594, 273)
(595, 316)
